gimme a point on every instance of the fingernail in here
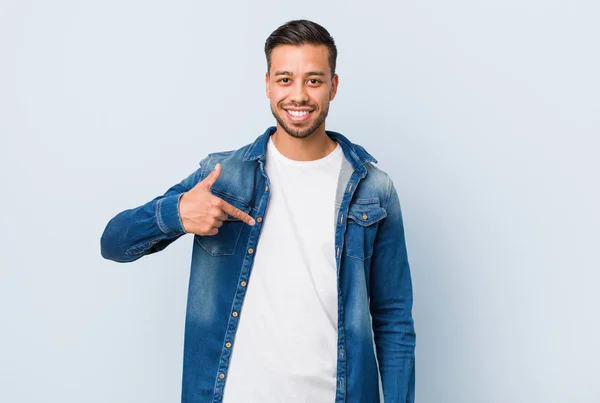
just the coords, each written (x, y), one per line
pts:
(252, 222)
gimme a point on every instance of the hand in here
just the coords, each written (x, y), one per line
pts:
(202, 213)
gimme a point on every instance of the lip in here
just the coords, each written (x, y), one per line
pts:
(298, 118)
(298, 109)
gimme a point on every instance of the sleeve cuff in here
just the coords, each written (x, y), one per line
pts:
(167, 215)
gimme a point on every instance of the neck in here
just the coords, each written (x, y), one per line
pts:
(313, 147)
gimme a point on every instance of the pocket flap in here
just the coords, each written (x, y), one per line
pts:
(366, 214)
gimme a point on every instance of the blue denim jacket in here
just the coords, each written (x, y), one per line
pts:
(374, 282)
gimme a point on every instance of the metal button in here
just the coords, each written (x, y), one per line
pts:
(259, 219)
(250, 251)
(235, 314)
(228, 344)
(243, 283)
(222, 376)
(364, 216)
(266, 188)
(350, 187)
(341, 218)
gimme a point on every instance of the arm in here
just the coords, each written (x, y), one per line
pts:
(148, 228)
(391, 306)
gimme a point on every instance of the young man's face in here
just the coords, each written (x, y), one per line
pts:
(300, 87)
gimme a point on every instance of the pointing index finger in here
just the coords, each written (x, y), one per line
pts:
(237, 213)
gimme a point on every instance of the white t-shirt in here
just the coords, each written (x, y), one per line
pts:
(285, 348)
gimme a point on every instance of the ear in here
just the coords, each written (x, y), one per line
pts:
(267, 82)
(334, 86)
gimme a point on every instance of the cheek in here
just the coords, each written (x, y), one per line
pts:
(276, 96)
(321, 94)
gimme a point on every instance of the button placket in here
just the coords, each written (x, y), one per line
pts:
(341, 354)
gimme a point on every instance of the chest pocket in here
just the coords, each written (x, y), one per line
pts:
(363, 218)
(226, 240)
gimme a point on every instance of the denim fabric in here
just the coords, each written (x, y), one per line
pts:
(374, 282)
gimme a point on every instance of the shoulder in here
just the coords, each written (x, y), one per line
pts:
(379, 183)
(237, 177)
(227, 158)
(378, 177)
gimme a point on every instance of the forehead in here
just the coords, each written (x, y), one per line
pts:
(298, 58)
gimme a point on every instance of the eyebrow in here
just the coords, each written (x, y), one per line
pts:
(310, 73)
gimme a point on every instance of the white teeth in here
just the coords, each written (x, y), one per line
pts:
(298, 113)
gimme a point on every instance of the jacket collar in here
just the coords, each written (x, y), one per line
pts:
(357, 155)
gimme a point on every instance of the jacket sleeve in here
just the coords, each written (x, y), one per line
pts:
(391, 306)
(148, 228)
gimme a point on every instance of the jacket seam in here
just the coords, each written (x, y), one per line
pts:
(389, 192)
(158, 218)
(204, 166)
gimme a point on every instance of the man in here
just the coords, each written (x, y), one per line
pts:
(299, 265)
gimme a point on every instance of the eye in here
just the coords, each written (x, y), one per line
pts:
(314, 81)
(284, 80)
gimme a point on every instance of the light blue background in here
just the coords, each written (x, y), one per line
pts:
(485, 114)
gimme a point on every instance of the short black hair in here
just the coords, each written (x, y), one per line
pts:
(301, 32)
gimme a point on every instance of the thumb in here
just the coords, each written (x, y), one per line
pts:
(212, 177)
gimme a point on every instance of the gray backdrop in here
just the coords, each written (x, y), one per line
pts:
(485, 114)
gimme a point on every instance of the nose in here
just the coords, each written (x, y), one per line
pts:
(299, 93)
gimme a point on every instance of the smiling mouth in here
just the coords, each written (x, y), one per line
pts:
(297, 113)
(297, 116)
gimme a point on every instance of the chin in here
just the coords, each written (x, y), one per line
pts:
(299, 133)
(299, 129)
